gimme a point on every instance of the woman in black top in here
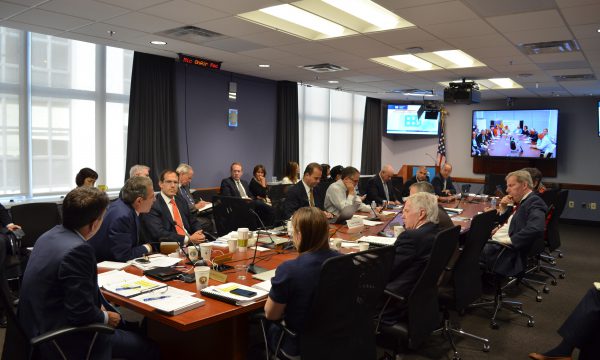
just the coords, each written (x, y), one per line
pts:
(258, 184)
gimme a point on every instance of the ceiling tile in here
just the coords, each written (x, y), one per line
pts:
(480, 41)
(585, 31)
(569, 71)
(307, 48)
(27, 3)
(7, 10)
(487, 8)
(437, 13)
(550, 58)
(49, 19)
(581, 15)
(272, 38)
(590, 44)
(527, 21)
(266, 54)
(237, 7)
(361, 46)
(102, 30)
(461, 29)
(86, 9)
(232, 26)
(28, 27)
(571, 3)
(133, 4)
(184, 12)
(143, 22)
(402, 36)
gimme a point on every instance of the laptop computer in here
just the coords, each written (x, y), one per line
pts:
(346, 214)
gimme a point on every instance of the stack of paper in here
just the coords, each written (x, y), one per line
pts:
(113, 265)
(224, 293)
(156, 260)
(171, 301)
(128, 285)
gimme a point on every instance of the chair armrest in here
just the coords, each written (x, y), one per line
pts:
(54, 334)
(395, 296)
(390, 296)
(260, 316)
(501, 244)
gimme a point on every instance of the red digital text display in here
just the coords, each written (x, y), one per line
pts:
(204, 63)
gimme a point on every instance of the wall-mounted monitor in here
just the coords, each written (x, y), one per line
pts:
(406, 120)
(598, 118)
(515, 133)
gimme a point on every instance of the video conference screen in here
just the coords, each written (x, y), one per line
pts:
(515, 133)
(405, 119)
(598, 118)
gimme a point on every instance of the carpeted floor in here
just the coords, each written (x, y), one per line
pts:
(514, 339)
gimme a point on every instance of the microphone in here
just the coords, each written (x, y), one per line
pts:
(374, 218)
(252, 268)
(199, 262)
(431, 157)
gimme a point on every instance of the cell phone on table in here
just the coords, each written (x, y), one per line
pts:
(244, 293)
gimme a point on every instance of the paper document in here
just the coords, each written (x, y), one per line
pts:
(372, 223)
(133, 287)
(265, 275)
(113, 265)
(157, 260)
(377, 240)
(206, 207)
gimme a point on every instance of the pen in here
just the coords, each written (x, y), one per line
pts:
(128, 288)
(156, 298)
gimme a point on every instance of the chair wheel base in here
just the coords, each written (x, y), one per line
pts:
(554, 282)
(546, 290)
(486, 347)
(530, 323)
(538, 298)
(494, 325)
(562, 276)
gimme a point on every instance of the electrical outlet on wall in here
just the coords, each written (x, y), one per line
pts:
(571, 204)
(593, 205)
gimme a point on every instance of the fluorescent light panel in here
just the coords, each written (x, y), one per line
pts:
(408, 63)
(368, 11)
(305, 19)
(447, 59)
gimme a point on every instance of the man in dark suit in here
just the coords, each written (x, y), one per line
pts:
(413, 249)
(234, 185)
(420, 176)
(186, 174)
(581, 330)
(379, 187)
(119, 236)
(170, 218)
(442, 183)
(481, 139)
(444, 221)
(507, 252)
(60, 287)
(299, 195)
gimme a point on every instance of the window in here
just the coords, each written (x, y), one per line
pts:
(331, 126)
(71, 113)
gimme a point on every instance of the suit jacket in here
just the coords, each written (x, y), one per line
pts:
(159, 223)
(438, 185)
(4, 216)
(296, 198)
(228, 188)
(375, 191)
(527, 225)
(118, 237)
(480, 139)
(413, 249)
(60, 288)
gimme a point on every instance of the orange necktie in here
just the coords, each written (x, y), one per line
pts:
(177, 218)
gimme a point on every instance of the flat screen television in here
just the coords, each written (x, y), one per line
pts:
(515, 133)
(406, 120)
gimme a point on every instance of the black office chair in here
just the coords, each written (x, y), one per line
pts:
(552, 237)
(494, 183)
(35, 219)
(397, 184)
(422, 303)
(16, 344)
(231, 213)
(465, 285)
(340, 321)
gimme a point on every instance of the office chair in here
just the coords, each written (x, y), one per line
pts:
(493, 183)
(16, 344)
(35, 219)
(422, 303)
(339, 324)
(231, 213)
(552, 236)
(499, 302)
(465, 285)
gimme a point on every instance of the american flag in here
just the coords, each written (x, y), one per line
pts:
(441, 150)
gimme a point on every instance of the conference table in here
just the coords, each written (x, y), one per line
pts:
(218, 330)
(501, 147)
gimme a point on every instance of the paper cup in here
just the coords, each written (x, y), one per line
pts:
(232, 245)
(205, 251)
(192, 253)
(202, 274)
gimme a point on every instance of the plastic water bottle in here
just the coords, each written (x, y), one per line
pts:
(373, 206)
(493, 202)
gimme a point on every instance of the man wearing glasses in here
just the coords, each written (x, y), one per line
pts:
(343, 193)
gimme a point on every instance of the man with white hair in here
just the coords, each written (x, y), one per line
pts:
(380, 188)
(520, 225)
(413, 249)
(186, 173)
(139, 170)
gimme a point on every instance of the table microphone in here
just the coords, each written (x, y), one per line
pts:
(263, 226)
(252, 268)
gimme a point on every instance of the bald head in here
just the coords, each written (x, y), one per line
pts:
(446, 170)
(422, 173)
(386, 172)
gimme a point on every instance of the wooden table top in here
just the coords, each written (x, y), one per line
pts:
(215, 310)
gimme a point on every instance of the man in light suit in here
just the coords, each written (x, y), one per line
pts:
(169, 218)
(119, 236)
(234, 185)
(520, 226)
(60, 287)
(299, 195)
(379, 187)
(413, 249)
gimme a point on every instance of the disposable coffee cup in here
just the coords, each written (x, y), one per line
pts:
(232, 245)
(205, 251)
(243, 236)
(192, 253)
(337, 244)
(202, 274)
(363, 246)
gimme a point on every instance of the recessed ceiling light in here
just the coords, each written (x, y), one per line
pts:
(264, 66)
(158, 42)
(333, 81)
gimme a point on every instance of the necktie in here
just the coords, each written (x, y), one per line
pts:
(177, 218)
(444, 185)
(187, 195)
(241, 189)
(311, 198)
(385, 190)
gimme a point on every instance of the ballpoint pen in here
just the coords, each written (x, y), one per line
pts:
(156, 298)
(128, 287)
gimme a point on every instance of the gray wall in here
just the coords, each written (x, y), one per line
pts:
(205, 140)
(579, 145)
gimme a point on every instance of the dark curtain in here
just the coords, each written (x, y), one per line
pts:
(287, 146)
(371, 144)
(152, 133)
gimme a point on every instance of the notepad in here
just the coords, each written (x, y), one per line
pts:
(265, 275)
(223, 293)
(171, 301)
(378, 240)
(130, 286)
